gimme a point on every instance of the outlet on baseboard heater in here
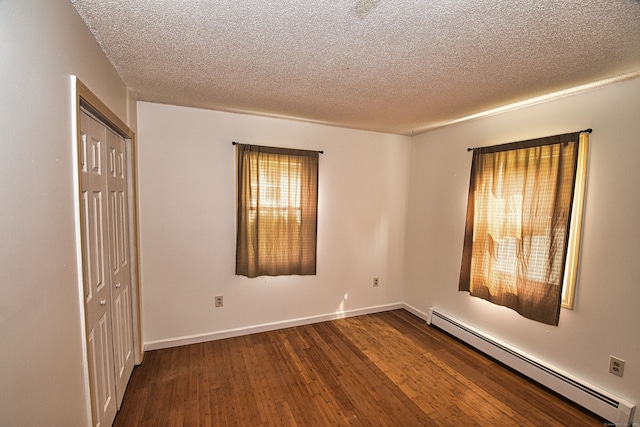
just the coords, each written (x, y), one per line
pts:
(588, 396)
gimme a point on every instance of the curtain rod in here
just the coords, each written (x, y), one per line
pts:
(236, 143)
(582, 131)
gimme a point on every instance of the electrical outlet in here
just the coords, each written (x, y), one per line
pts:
(376, 282)
(219, 301)
(616, 366)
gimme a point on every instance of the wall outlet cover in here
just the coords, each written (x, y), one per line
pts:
(616, 366)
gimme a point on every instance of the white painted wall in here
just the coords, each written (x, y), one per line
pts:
(42, 43)
(187, 216)
(606, 318)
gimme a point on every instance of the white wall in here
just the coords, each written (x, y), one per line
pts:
(42, 43)
(606, 318)
(187, 216)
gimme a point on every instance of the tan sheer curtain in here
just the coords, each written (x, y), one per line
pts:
(277, 211)
(518, 219)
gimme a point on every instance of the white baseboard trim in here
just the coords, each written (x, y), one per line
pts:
(247, 330)
(411, 309)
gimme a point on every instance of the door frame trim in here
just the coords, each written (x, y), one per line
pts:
(85, 98)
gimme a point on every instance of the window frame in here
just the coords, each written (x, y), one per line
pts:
(569, 284)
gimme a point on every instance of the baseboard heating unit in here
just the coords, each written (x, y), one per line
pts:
(598, 401)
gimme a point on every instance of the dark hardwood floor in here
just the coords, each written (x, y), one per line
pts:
(385, 369)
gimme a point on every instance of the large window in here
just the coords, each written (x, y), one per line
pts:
(277, 211)
(523, 224)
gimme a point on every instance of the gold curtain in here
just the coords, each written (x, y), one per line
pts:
(518, 220)
(276, 211)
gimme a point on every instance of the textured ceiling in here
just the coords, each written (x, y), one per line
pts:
(398, 66)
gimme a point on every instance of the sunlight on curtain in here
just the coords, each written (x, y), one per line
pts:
(277, 211)
(518, 220)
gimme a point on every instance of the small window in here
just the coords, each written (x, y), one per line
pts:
(277, 211)
(523, 224)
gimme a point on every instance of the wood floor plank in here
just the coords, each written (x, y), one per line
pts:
(384, 369)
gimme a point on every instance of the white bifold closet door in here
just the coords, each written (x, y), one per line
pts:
(106, 261)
